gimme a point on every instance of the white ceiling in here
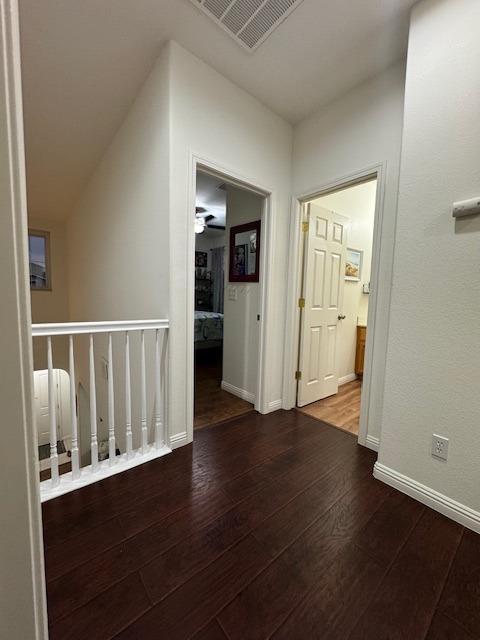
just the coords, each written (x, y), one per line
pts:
(84, 61)
(211, 197)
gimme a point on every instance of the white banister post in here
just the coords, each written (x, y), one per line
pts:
(143, 385)
(73, 412)
(52, 411)
(93, 408)
(158, 394)
(112, 458)
(128, 398)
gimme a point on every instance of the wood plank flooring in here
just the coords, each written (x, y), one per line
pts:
(267, 527)
(212, 403)
(341, 410)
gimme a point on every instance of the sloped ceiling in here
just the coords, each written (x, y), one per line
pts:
(83, 63)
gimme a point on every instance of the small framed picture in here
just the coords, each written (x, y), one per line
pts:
(39, 259)
(201, 258)
(353, 265)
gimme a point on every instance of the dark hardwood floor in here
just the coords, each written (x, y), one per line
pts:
(267, 527)
(212, 403)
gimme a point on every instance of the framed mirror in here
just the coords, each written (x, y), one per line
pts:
(245, 252)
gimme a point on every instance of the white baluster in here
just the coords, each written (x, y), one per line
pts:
(93, 408)
(158, 394)
(73, 413)
(112, 459)
(143, 385)
(52, 410)
(128, 398)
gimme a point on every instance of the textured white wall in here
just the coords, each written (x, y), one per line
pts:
(361, 129)
(241, 328)
(358, 203)
(433, 364)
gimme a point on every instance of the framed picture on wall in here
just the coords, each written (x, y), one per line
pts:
(353, 265)
(201, 258)
(39, 260)
(245, 252)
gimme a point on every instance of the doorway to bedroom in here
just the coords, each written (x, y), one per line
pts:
(227, 299)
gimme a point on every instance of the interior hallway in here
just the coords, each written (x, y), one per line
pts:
(268, 527)
(341, 410)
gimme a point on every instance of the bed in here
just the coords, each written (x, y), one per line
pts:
(208, 329)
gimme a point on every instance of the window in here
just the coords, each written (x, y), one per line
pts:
(39, 259)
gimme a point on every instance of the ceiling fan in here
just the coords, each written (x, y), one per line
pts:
(202, 219)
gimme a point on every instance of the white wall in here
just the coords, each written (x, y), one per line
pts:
(358, 204)
(241, 327)
(118, 233)
(361, 129)
(213, 118)
(433, 364)
(118, 243)
(52, 306)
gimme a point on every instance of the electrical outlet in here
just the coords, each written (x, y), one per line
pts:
(439, 447)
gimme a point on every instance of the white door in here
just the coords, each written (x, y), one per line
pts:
(42, 413)
(323, 282)
(62, 400)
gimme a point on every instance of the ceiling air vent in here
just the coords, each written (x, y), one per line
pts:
(249, 22)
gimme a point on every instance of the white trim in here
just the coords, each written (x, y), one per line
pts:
(179, 439)
(198, 162)
(77, 328)
(372, 443)
(346, 379)
(25, 514)
(275, 405)
(236, 391)
(45, 464)
(87, 476)
(438, 501)
(292, 324)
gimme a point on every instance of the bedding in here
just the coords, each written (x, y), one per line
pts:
(208, 326)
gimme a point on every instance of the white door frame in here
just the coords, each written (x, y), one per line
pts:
(23, 608)
(379, 172)
(197, 162)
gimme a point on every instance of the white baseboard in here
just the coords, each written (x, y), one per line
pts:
(437, 501)
(372, 443)
(275, 405)
(346, 379)
(236, 391)
(178, 440)
(67, 484)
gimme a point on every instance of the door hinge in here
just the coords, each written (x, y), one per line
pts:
(305, 226)
(301, 303)
(298, 375)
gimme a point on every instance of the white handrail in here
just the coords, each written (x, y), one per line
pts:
(148, 447)
(78, 328)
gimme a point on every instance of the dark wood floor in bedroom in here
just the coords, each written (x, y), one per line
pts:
(212, 403)
(267, 527)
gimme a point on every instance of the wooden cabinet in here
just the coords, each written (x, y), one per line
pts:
(360, 352)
